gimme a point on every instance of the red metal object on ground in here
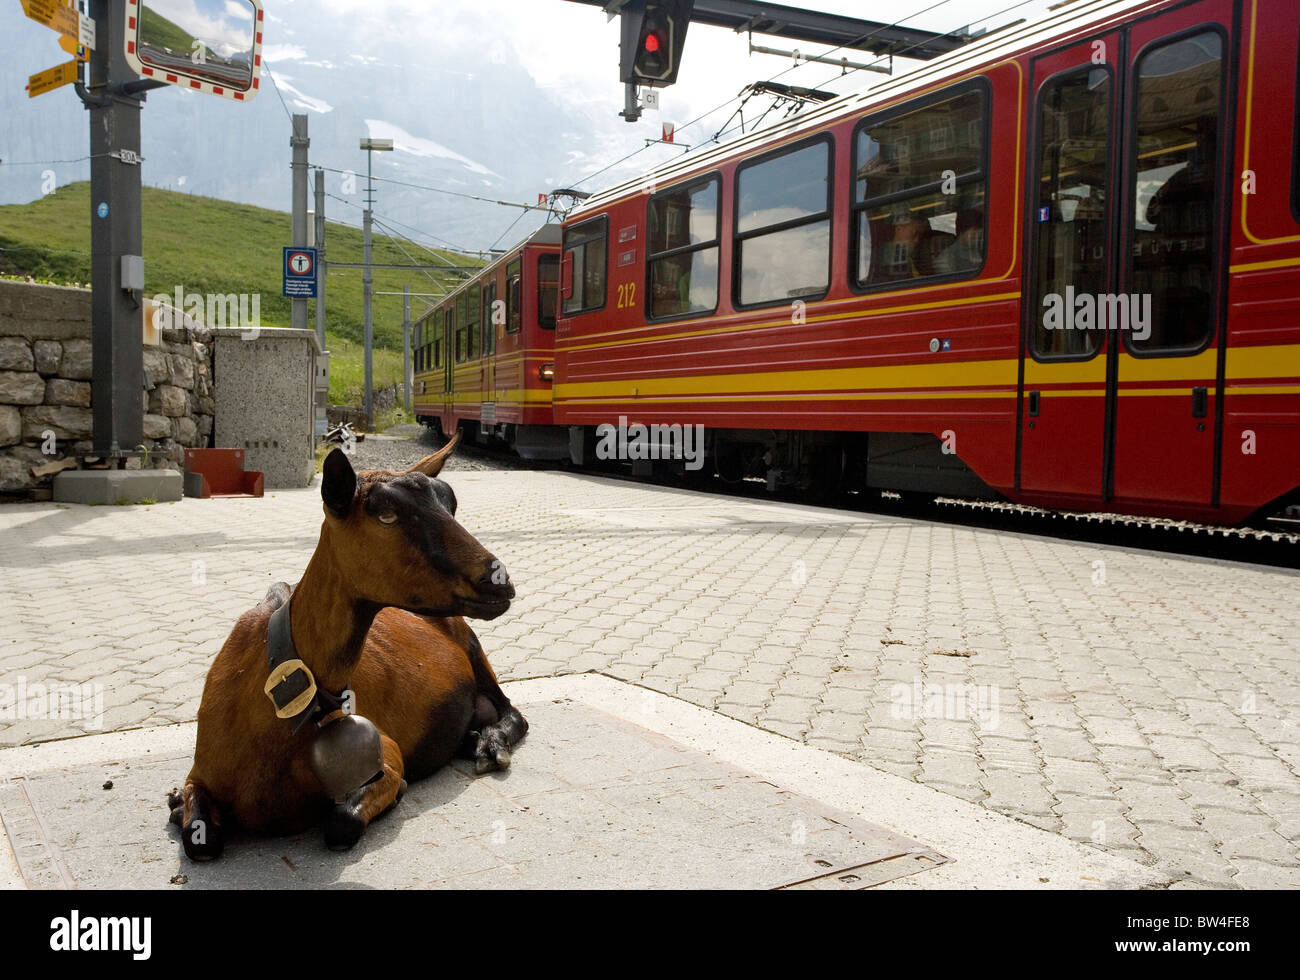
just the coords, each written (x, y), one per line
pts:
(219, 473)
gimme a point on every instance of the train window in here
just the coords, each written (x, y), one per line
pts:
(548, 287)
(783, 225)
(584, 247)
(489, 326)
(473, 309)
(682, 244)
(453, 330)
(514, 296)
(437, 353)
(1070, 240)
(1176, 195)
(919, 206)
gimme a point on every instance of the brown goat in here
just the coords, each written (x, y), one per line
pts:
(378, 613)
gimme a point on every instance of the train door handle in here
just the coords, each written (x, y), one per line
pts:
(1035, 401)
(1200, 399)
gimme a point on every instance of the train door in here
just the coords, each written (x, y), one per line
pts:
(1166, 382)
(488, 399)
(1069, 209)
(448, 369)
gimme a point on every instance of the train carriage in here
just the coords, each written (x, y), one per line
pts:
(1058, 265)
(484, 355)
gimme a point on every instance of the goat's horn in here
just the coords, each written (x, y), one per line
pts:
(432, 465)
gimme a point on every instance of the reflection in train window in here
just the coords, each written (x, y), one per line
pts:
(919, 192)
(1175, 195)
(584, 247)
(682, 264)
(783, 225)
(1070, 238)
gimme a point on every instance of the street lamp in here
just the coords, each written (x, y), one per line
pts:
(367, 288)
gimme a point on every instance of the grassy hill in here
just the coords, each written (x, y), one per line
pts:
(211, 246)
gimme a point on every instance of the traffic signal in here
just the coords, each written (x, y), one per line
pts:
(654, 33)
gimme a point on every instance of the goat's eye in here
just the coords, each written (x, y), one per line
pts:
(388, 517)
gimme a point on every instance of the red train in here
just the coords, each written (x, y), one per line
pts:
(485, 356)
(1057, 266)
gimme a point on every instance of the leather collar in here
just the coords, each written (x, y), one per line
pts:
(290, 684)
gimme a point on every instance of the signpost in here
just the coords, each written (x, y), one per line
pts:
(52, 78)
(75, 47)
(53, 13)
(62, 18)
(120, 41)
(299, 272)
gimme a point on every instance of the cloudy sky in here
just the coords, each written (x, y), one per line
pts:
(572, 48)
(500, 98)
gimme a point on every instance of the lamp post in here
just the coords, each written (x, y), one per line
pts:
(367, 280)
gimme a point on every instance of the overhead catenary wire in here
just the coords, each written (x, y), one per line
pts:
(784, 71)
(448, 246)
(275, 85)
(444, 190)
(740, 128)
(518, 218)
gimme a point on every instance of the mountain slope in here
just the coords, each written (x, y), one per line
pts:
(206, 246)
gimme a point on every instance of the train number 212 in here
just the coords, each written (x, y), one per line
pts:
(626, 295)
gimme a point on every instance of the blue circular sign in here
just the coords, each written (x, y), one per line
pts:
(102, 210)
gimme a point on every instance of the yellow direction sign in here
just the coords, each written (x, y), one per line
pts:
(70, 45)
(51, 78)
(53, 13)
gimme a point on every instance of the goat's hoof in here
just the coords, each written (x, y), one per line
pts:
(492, 754)
(202, 841)
(343, 828)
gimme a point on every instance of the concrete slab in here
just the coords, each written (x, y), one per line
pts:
(616, 787)
(117, 486)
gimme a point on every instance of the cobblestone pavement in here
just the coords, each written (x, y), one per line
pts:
(1145, 703)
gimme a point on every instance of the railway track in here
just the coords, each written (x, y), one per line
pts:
(1276, 543)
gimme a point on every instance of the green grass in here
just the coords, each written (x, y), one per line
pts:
(210, 246)
(348, 368)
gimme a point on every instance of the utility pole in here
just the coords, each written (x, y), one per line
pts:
(367, 276)
(320, 257)
(406, 346)
(113, 92)
(116, 241)
(299, 142)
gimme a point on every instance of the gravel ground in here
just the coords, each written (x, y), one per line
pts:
(404, 445)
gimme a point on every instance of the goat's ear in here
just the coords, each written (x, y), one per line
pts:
(339, 484)
(432, 465)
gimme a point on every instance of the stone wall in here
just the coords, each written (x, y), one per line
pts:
(45, 374)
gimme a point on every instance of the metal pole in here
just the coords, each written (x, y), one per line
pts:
(117, 331)
(406, 346)
(631, 111)
(366, 287)
(320, 257)
(299, 142)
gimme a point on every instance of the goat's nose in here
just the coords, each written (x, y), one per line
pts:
(495, 580)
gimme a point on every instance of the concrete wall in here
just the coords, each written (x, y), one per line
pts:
(45, 372)
(265, 395)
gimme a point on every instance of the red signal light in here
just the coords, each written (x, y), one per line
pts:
(652, 43)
